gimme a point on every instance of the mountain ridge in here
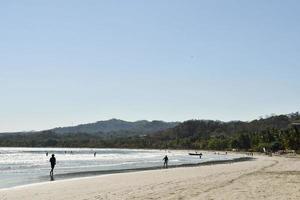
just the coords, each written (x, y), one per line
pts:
(117, 125)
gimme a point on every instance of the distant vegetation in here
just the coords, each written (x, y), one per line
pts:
(272, 133)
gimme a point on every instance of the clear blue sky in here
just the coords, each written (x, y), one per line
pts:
(69, 62)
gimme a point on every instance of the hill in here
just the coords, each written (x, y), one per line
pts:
(272, 133)
(275, 132)
(117, 126)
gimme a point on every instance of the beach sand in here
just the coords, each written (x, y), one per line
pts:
(263, 178)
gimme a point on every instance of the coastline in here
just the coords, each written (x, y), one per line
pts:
(91, 174)
(107, 172)
(88, 174)
(261, 178)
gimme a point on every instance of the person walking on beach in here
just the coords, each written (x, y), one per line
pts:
(53, 163)
(166, 159)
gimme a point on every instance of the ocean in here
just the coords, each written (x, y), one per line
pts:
(21, 166)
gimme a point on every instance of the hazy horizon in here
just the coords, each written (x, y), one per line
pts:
(65, 63)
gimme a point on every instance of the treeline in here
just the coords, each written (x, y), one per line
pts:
(273, 133)
(270, 139)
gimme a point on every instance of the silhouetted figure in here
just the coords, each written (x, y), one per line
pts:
(53, 163)
(166, 159)
(95, 154)
(47, 153)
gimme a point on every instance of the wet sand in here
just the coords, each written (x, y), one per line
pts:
(263, 178)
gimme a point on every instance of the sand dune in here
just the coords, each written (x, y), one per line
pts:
(264, 178)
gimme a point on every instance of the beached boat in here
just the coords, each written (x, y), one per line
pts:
(195, 154)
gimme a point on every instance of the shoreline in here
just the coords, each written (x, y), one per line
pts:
(263, 177)
(89, 174)
(107, 172)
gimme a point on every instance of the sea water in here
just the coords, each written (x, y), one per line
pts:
(21, 166)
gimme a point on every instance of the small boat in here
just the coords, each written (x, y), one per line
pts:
(195, 154)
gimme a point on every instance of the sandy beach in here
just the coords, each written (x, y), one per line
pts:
(263, 178)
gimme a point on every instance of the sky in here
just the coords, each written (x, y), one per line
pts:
(69, 62)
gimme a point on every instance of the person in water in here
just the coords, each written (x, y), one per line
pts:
(53, 163)
(166, 159)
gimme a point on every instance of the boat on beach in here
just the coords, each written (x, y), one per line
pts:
(195, 154)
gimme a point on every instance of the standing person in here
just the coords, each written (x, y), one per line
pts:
(166, 159)
(53, 163)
